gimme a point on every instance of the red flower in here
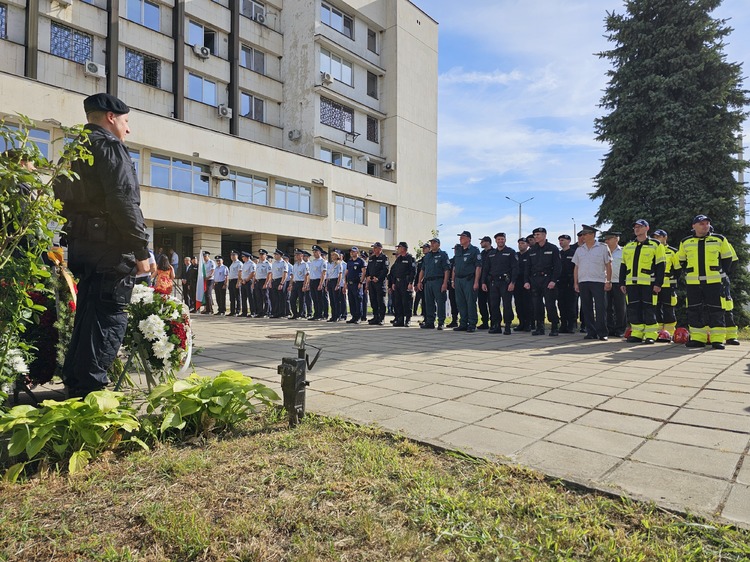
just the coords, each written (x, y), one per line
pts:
(72, 306)
(179, 330)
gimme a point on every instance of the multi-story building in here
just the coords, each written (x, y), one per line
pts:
(280, 123)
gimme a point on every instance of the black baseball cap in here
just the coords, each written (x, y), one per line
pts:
(660, 232)
(700, 218)
(642, 222)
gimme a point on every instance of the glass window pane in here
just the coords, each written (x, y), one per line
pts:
(325, 155)
(339, 212)
(337, 22)
(134, 10)
(292, 200)
(245, 54)
(336, 67)
(244, 192)
(183, 164)
(163, 160)
(209, 92)
(201, 184)
(325, 61)
(325, 14)
(348, 213)
(346, 73)
(245, 105)
(181, 179)
(195, 87)
(226, 189)
(280, 197)
(336, 159)
(260, 195)
(151, 15)
(259, 64)
(304, 204)
(159, 176)
(258, 110)
(348, 27)
(195, 33)
(346, 161)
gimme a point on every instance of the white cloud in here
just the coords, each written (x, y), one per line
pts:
(459, 76)
(447, 211)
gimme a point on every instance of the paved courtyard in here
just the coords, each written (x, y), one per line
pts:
(659, 422)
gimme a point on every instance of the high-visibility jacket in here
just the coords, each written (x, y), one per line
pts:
(701, 259)
(643, 263)
(671, 265)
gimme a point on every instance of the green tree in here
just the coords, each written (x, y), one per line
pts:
(675, 109)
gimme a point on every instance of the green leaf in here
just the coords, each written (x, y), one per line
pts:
(140, 442)
(11, 475)
(91, 436)
(78, 461)
(18, 441)
(35, 444)
(172, 419)
(104, 400)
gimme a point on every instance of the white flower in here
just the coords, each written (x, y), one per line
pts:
(163, 348)
(185, 309)
(152, 328)
(16, 362)
(142, 293)
(174, 316)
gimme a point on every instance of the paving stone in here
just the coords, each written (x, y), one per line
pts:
(517, 389)
(723, 406)
(368, 412)
(521, 424)
(327, 403)
(331, 385)
(483, 440)
(638, 408)
(364, 392)
(632, 425)
(566, 462)
(441, 391)
(360, 378)
(689, 458)
(743, 477)
(672, 488)
(459, 411)
(473, 383)
(430, 377)
(408, 401)
(491, 399)
(704, 437)
(583, 399)
(715, 420)
(594, 439)
(421, 426)
(552, 410)
(736, 508)
(655, 397)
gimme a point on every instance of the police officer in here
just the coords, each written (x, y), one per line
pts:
(307, 311)
(522, 295)
(107, 244)
(567, 297)
(376, 274)
(262, 283)
(278, 281)
(419, 295)
(235, 266)
(482, 296)
(245, 283)
(318, 270)
(220, 286)
(452, 291)
(641, 276)
(433, 280)
(666, 300)
(705, 257)
(467, 271)
(542, 275)
(190, 280)
(355, 279)
(401, 280)
(300, 281)
(499, 273)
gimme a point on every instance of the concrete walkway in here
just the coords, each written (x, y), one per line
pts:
(660, 422)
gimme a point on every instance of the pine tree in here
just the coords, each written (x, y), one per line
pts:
(675, 113)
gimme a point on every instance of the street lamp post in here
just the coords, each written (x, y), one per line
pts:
(520, 204)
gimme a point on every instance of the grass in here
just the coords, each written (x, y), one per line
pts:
(330, 490)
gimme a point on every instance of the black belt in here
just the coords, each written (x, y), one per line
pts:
(466, 276)
(433, 278)
(541, 274)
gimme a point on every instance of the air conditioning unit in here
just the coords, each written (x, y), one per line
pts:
(294, 134)
(91, 68)
(389, 166)
(260, 18)
(202, 51)
(326, 78)
(220, 171)
(64, 3)
(224, 111)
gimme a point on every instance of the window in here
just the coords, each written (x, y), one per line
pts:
(336, 158)
(337, 67)
(253, 9)
(144, 12)
(372, 41)
(385, 217)
(245, 188)
(179, 175)
(372, 85)
(38, 137)
(372, 169)
(200, 35)
(253, 59)
(252, 107)
(3, 21)
(70, 44)
(293, 197)
(135, 156)
(142, 68)
(337, 20)
(336, 115)
(201, 89)
(349, 209)
(373, 128)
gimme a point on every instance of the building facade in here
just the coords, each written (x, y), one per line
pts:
(280, 123)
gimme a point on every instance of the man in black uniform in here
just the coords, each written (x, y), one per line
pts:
(542, 275)
(419, 295)
(567, 296)
(499, 273)
(401, 280)
(376, 274)
(107, 244)
(483, 297)
(521, 295)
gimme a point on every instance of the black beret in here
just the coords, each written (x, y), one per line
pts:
(104, 102)
(539, 229)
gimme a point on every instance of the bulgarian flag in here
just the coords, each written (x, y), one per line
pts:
(200, 289)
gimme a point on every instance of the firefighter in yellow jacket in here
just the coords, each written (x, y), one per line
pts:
(705, 258)
(642, 276)
(666, 300)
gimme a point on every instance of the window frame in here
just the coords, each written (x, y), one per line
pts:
(388, 222)
(258, 8)
(42, 141)
(373, 129)
(199, 174)
(144, 61)
(71, 53)
(288, 188)
(142, 20)
(373, 84)
(371, 33)
(331, 156)
(251, 54)
(256, 184)
(337, 70)
(3, 21)
(204, 80)
(335, 12)
(253, 103)
(341, 109)
(205, 32)
(350, 209)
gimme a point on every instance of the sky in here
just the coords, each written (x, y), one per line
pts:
(518, 91)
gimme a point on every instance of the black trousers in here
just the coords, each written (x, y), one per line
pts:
(308, 310)
(498, 295)
(262, 307)
(234, 297)
(364, 296)
(704, 307)
(377, 299)
(317, 297)
(98, 330)
(641, 310)
(418, 298)
(616, 321)
(483, 301)
(594, 308)
(220, 289)
(354, 293)
(664, 307)
(188, 295)
(333, 298)
(297, 299)
(247, 299)
(544, 298)
(278, 298)
(208, 295)
(524, 307)
(567, 300)
(403, 301)
(454, 304)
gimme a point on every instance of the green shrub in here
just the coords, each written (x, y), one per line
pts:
(202, 404)
(73, 430)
